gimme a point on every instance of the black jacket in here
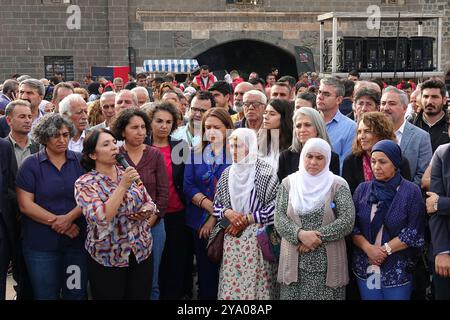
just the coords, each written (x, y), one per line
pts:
(4, 128)
(438, 132)
(289, 160)
(353, 173)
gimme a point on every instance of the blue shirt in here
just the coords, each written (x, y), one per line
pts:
(201, 174)
(341, 131)
(54, 191)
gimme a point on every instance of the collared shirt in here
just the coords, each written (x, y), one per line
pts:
(20, 153)
(77, 146)
(53, 190)
(341, 131)
(184, 133)
(399, 132)
(41, 113)
(111, 243)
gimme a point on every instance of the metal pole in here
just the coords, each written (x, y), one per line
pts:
(334, 53)
(321, 37)
(439, 44)
(420, 29)
(396, 47)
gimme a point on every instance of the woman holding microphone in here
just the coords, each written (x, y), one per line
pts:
(117, 211)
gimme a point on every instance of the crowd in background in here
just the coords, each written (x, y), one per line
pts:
(116, 189)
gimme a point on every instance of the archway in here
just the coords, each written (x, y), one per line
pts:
(247, 56)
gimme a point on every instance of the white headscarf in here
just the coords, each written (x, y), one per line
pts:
(241, 180)
(307, 191)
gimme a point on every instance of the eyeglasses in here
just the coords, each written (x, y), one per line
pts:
(255, 104)
(111, 106)
(195, 110)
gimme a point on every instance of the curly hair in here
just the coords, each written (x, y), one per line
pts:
(164, 106)
(380, 126)
(123, 119)
(49, 126)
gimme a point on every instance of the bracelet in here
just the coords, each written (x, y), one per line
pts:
(201, 201)
(249, 218)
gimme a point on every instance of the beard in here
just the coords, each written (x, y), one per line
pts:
(238, 106)
(433, 111)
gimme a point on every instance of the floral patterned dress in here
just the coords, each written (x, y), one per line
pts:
(244, 274)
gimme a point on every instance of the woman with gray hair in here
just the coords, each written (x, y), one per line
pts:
(53, 227)
(308, 123)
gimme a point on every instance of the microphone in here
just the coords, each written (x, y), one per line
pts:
(122, 161)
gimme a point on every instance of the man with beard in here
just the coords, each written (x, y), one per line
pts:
(239, 91)
(433, 118)
(75, 108)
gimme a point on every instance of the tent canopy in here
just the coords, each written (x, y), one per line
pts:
(171, 65)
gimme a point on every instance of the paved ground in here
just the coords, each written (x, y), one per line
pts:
(10, 293)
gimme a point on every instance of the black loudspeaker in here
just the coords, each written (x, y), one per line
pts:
(374, 51)
(395, 54)
(349, 54)
(352, 50)
(421, 53)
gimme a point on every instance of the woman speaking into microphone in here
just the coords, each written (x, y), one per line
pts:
(117, 211)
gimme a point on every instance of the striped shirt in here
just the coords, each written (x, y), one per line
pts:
(110, 243)
(261, 215)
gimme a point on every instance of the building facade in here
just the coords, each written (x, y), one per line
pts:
(40, 37)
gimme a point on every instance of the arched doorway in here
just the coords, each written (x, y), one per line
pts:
(247, 56)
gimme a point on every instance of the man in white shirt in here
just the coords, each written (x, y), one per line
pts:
(108, 107)
(74, 108)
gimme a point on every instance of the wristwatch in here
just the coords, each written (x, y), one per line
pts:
(388, 249)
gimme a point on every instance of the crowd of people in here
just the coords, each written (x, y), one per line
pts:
(309, 189)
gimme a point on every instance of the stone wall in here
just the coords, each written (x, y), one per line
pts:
(178, 29)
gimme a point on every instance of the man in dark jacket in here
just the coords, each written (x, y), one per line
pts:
(5, 179)
(433, 117)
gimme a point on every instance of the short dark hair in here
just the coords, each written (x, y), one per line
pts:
(9, 85)
(255, 81)
(434, 84)
(308, 96)
(89, 145)
(205, 95)
(130, 85)
(289, 79)
(141, 75)
(372, 94)
(349, 86)
(354, 73)
(204, 67)
(283, 84)
(123, 119)
(164, 106)
(222, 86)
